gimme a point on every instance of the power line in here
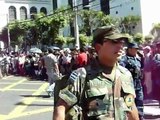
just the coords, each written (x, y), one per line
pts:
(56, 12)
(93, 6)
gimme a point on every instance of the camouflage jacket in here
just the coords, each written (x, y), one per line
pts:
(98, 101)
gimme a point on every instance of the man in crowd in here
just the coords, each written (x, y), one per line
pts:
(133, 64)
(106, 94)
(82, 58)
(52, 70)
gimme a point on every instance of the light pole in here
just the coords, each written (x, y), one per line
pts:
(76, 28)
(9, 40)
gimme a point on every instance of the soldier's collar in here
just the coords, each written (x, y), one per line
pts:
(110, 72)
(107, 69)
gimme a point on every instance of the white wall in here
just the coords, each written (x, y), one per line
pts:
(3, 15)
(95, 5)
(150, 14)
(61, 3)
(147, 9)
(124, 7)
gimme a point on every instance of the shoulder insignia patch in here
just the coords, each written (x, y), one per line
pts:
(73, 77)
(129, 100)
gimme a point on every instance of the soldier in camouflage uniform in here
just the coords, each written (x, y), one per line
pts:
(103, 94)
(133, 63)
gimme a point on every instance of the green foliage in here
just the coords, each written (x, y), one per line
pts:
(16, 30)
(138, 38)
(4, 35)
(84, 40)
(130, 37)
(70, 40)
(148, 38)
(130, 20)
(156, 26)
(127, 23)
(92, 19)
(60, 40)
(45, 29)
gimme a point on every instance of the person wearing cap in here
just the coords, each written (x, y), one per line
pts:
(105, 94)
(132, 62)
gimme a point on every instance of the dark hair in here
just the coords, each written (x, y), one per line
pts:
(98, 39)
(50, 50)
(45, 50)
(82, 49)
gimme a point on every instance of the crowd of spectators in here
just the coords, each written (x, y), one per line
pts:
(33, 66)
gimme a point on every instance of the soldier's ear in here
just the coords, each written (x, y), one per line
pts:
(97, 47)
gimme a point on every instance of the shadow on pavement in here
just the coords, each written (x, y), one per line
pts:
(150, 117)
(38, 96)
(24, 104)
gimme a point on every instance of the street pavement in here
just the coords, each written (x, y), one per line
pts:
(24, 99)
(152, 110)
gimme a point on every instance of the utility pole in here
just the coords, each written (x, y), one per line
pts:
(8, 32)
(76, 28)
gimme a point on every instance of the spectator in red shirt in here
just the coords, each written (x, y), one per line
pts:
(82, 58)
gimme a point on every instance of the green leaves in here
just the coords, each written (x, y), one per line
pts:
(92, 19)
(84, 39)
(128, 23)
(138, 37)
(45, 29)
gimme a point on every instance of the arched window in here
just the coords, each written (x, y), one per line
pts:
(23, 13)
(12, 13)
(43, 10)
(33, 11)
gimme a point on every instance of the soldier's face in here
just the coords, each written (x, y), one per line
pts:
(109, 51)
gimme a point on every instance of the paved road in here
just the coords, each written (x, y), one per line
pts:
(151, 110)
(24, 99)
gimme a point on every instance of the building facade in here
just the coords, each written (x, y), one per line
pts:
(148, 10)
(11, 10)
(25, 9)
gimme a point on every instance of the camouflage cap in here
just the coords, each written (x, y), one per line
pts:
(108, 32)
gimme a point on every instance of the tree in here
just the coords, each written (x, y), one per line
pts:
(84, 39)
(41, 29)
(95, 19)
(70, 40)
(60, 40)
(17, 32)
(138, 38)
(155, 32)
(148, 39)
(128, 23)
(4, 35)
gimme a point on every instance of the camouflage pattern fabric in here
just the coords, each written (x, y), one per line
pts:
(98, 101)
